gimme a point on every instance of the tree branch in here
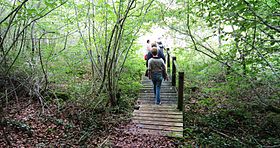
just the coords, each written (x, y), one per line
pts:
(15, 10)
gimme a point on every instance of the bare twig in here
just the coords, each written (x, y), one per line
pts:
(15, 93)
(262, 56)
(18, 35)
(272, 146)
(104, 142)
(227, 136)
(15, 10)
(20, 49)
(261, 19)
(41, 61)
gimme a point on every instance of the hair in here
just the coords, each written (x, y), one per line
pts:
(154, 45)
(154, 51)
(148, 41)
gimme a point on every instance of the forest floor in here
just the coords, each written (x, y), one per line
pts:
(24, 125)
(127, 135)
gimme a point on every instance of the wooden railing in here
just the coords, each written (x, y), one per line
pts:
(180, 87)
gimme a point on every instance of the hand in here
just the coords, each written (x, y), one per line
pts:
(166, 79)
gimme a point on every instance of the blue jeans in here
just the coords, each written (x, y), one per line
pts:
(157, 79)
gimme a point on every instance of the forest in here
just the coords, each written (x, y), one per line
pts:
(71, 70)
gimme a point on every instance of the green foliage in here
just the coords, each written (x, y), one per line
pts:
(130, 79)
(83, 53)
(230, 62)
(219, 103)
(72, 46)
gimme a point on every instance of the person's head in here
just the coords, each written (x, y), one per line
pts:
(154, 51)
(148, 41)
(154, 45)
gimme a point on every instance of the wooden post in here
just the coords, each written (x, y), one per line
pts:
(173, 71)
(168, 58)
(181, 91)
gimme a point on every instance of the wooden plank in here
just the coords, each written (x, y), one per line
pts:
(161, 96)
(158, 112)
(152, 98)
(169, 94)
(147, 78)
(165, 93)
(169, 112)
(150, 80)
(159, 123)
(152, 86)
(165, 118)
(151, 83)
(160, 127)
(159, 132)
(149, 95)
(153, 102)
(157, 119)
(162, 91)
(158, 116)
(158, 109)
(161, 99)
(173, 106)
(162, 87)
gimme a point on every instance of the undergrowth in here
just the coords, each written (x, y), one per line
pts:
(70, 104)
(223, 109)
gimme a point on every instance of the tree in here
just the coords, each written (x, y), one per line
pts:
(110, 29)
(242, 35)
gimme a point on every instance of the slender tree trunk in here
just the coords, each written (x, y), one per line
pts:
(32, 43)
(219, 27)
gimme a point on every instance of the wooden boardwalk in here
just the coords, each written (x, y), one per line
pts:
(158, 119)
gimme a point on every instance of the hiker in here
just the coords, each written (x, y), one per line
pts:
(156, 72)
(160, 46)
(159, 53)
(150, 55)
(148, 46)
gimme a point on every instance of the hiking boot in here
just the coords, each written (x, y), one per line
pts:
(158, 103)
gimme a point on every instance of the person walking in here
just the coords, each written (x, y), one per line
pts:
(148, 46)
(159, 54)
(156, 72)
(160, 46)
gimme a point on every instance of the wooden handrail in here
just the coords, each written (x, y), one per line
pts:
(173, 71)
(180, 89)
(168, 58)
(180, 101)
